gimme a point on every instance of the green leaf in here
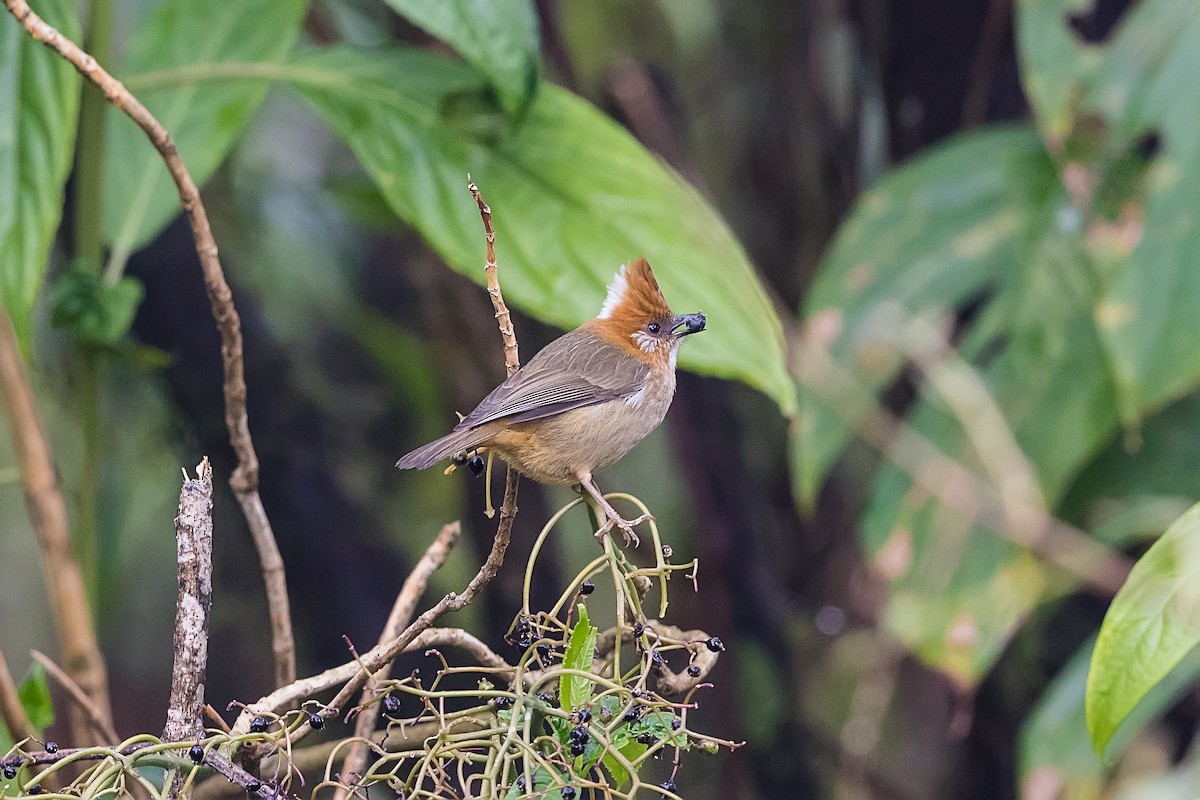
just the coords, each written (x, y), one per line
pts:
(34, 692)
(172, 58)
(39, 103)
(1146, 652)
(1007, 238)
(1054, 62)
(98, 313)
(499, 38)
(953, 223)
(574, 196)
(1146, 84)
(575, 691)
(1053, 744)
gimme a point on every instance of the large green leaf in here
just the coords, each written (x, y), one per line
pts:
(39, 101)
(935, 233)
(497, 37)
(180, 44)
(1147, 650)
(981, 219)
(574, 196)
(1094, 102)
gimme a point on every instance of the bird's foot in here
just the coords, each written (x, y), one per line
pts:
(626, 526)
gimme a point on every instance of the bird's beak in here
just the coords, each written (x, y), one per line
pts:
(688, 323)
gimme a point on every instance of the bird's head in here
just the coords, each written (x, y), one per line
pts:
(637, 319)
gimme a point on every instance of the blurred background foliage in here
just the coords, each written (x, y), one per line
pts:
(982, 211)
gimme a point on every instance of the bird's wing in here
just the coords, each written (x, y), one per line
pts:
(577, 369)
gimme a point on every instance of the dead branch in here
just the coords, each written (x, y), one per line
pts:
(244, 480)
(48, 515)
(193, 546)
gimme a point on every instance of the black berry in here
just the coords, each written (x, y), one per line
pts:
(543, 651)
(316, 721)
(577, 748)
(501, 703)
(668, 784)
(568, 793)
(584, 716)
(391, 706)
(10, 771)
(587, 587)
(475, 464)
(580, 734)
(196, 754)
(36, 790)
(647, 739)
(676, 723)
(253, 786)
(639, 628)
(694, 671)
(258, 725)
(458, 459)
(521, 783)
(667, 551)
(633, 713)
(714, 644)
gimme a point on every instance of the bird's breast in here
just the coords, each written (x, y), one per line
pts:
(555, 449)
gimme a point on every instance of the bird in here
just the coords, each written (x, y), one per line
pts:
(585, 399)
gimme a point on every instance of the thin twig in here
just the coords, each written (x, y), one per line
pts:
(402, 612)
(48, 514)
(244, 480)
(193, 547)
(101, 725)
(512, 360)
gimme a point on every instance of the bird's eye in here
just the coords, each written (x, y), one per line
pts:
(654, 327)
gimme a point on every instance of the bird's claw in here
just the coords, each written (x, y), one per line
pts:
(626, 527)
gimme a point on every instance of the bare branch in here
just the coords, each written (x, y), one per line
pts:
(512, 360)
(193, 547)
(48, 514)
(244, 480)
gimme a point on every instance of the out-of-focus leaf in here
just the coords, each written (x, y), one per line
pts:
(1054, 750)
(39, 102)
(1054, 60)
(542, 779)
(98, 313)
(497, 37)
(1147, 650)
(1144, 483)
(957, 590)
(1147, 317)
(574, 196)
(171, 60)
(941, 230)
(575, 691)
(34, 692)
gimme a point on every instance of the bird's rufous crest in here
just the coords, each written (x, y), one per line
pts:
(634, 297)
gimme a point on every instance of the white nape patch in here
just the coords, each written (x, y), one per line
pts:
(616, 293)
(648, 343)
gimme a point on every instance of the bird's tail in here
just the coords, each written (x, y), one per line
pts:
(443, 448)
